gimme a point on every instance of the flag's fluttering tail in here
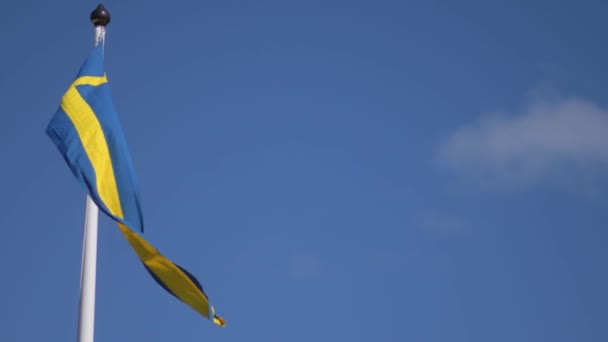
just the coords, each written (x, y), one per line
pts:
(87, 131)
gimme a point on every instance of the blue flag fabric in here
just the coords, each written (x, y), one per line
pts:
(87, 132)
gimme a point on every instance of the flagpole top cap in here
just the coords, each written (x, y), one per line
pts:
(100, 16)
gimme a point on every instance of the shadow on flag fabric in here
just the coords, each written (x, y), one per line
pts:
(87, 132)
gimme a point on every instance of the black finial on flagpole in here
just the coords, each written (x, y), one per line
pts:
(100, 16)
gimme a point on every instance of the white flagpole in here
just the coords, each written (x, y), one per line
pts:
(100, 17)
(86, 319)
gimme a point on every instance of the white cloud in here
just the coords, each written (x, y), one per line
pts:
(441, 225)
(559, 139)
(272, 257)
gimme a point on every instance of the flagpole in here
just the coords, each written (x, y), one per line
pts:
(86, 319)
(100, 17)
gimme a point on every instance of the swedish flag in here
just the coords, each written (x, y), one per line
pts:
(87, 132)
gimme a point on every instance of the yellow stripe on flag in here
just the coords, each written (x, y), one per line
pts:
(170, 275)
(94, 142)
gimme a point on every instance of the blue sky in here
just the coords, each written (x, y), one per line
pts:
(330, 170)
